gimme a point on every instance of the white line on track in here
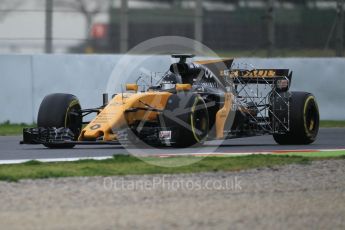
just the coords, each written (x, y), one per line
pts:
(20, 161)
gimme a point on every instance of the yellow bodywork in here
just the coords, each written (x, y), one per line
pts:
(132, 87)
(217, 61)
(223, 114)
(183, 87)
(114, 116)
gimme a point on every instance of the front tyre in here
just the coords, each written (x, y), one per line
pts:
(304, 120)
(60, 111)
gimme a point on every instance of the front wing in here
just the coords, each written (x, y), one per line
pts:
(63, 136)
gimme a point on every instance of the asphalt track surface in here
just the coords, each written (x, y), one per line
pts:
(10, 149)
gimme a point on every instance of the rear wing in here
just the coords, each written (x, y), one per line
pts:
(223, 69)
(257, 76)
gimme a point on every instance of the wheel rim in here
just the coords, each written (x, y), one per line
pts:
(74, 120)
(311, 117)
(199, 123)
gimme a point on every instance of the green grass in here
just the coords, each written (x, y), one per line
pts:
(262, 53)
(322, 154)
(7, 129)
(128, 165)
(278, 53)
(332, 124)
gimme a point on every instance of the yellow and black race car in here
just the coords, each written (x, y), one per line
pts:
(193, 102)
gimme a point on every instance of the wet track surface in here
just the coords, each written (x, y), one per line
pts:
(10, 149)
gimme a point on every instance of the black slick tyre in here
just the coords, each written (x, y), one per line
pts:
(60, 110)
(304, 120)
(187, 115)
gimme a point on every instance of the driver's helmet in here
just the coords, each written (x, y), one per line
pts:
(170, 80)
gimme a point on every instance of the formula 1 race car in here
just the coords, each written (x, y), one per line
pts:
(191, 103)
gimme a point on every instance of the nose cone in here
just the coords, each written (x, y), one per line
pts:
(119, 113)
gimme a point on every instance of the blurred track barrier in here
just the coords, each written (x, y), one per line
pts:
(26, 79)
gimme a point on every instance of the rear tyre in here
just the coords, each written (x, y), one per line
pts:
(60, 110)
(304, 120)
(187, 115)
